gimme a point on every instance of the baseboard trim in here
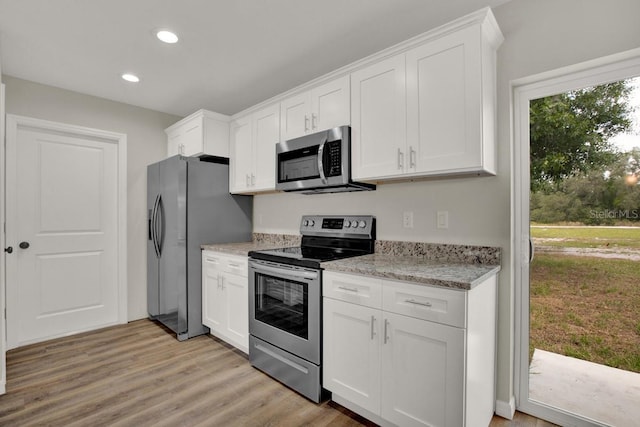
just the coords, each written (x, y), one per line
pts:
(506, 409)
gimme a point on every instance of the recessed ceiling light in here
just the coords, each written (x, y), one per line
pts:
(131, 77)
(167, 36)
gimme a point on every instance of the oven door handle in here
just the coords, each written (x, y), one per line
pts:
(281, 272)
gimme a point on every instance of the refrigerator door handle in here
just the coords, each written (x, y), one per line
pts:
(160, 226)
(154, 226)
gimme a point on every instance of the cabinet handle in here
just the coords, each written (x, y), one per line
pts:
(373, 319)
(234, 265)
(248, 179)
(355, 290)
(400, 160)
(222, 282)
(314, 119)
(412, 301)
(253, 180)
(181, 149)
(306, 123)
(218, 280)
(412, 157)
(386, 327)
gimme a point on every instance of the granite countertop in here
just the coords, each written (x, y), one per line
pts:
(259, 242)
(241, 248)
(450, 266)
(418, 270)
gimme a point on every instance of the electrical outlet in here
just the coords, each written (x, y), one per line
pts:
(442, 219)
(407, 219)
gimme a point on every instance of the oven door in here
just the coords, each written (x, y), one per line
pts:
(284, 307)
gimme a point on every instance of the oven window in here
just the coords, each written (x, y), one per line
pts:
(298, 164)
(283, 304)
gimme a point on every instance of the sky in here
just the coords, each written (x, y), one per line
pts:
(627, 141)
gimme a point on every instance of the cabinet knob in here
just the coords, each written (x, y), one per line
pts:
(9, 250)
(24, 245)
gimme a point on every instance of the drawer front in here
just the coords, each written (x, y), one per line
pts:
(446, 306)
(236, 265)
(360, 290)
(212, 259)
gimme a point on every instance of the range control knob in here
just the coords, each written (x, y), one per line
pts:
(354, 224)
(347, 223)
(305, 222)
(362, 224)
(311, 223)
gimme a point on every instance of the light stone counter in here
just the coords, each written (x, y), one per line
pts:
(450, 266)
(260, 242)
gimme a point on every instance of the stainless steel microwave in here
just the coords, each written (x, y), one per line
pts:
(317, 163)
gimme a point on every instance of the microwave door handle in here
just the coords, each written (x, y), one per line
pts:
(323, 178)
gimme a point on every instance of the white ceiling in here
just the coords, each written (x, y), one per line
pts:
(232, 54)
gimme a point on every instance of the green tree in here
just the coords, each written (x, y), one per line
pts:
(570, 132)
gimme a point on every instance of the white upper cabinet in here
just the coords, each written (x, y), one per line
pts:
(323, 107)
(201, 133)
(430, 110)
(378, 119)
(423, 108)
(445, 105)
(253, 141)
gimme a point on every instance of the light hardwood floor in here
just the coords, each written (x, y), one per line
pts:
(140, 375)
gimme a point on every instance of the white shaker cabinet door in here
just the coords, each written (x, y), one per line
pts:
(192, 139)
(266, 128)
(213, 305)
(241, 161)
(235, 289)
(444, 104)
(295, 117)
(423, 372)
(351, 354)
(378, 119)
(330, 104)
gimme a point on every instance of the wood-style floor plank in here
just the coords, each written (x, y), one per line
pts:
(139, 375)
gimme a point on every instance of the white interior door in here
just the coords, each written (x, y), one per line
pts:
(63, 225)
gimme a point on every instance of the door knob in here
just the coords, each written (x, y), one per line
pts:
(9, 249)
(24, 245)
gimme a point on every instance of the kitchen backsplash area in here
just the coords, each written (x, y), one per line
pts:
(471, 215)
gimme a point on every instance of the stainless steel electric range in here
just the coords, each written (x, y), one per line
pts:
(285, 308)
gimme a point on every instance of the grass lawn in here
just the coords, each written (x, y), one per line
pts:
(588, 308)
(587, 237)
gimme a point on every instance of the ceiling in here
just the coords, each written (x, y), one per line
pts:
(232, 54)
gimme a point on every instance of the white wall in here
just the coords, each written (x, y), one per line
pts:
(146, 143)
(540, 35)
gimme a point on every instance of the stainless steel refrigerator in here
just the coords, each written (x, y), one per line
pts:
(188, 205)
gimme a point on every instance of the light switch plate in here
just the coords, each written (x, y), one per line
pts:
(443, 219)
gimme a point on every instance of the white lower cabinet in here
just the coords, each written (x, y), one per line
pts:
(225, 298)
(387, 359)
(351, 362)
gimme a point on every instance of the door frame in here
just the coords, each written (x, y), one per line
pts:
(602, 70)
(13, 123)
(3, 320)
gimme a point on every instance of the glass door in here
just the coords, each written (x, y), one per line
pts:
(544, 287)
